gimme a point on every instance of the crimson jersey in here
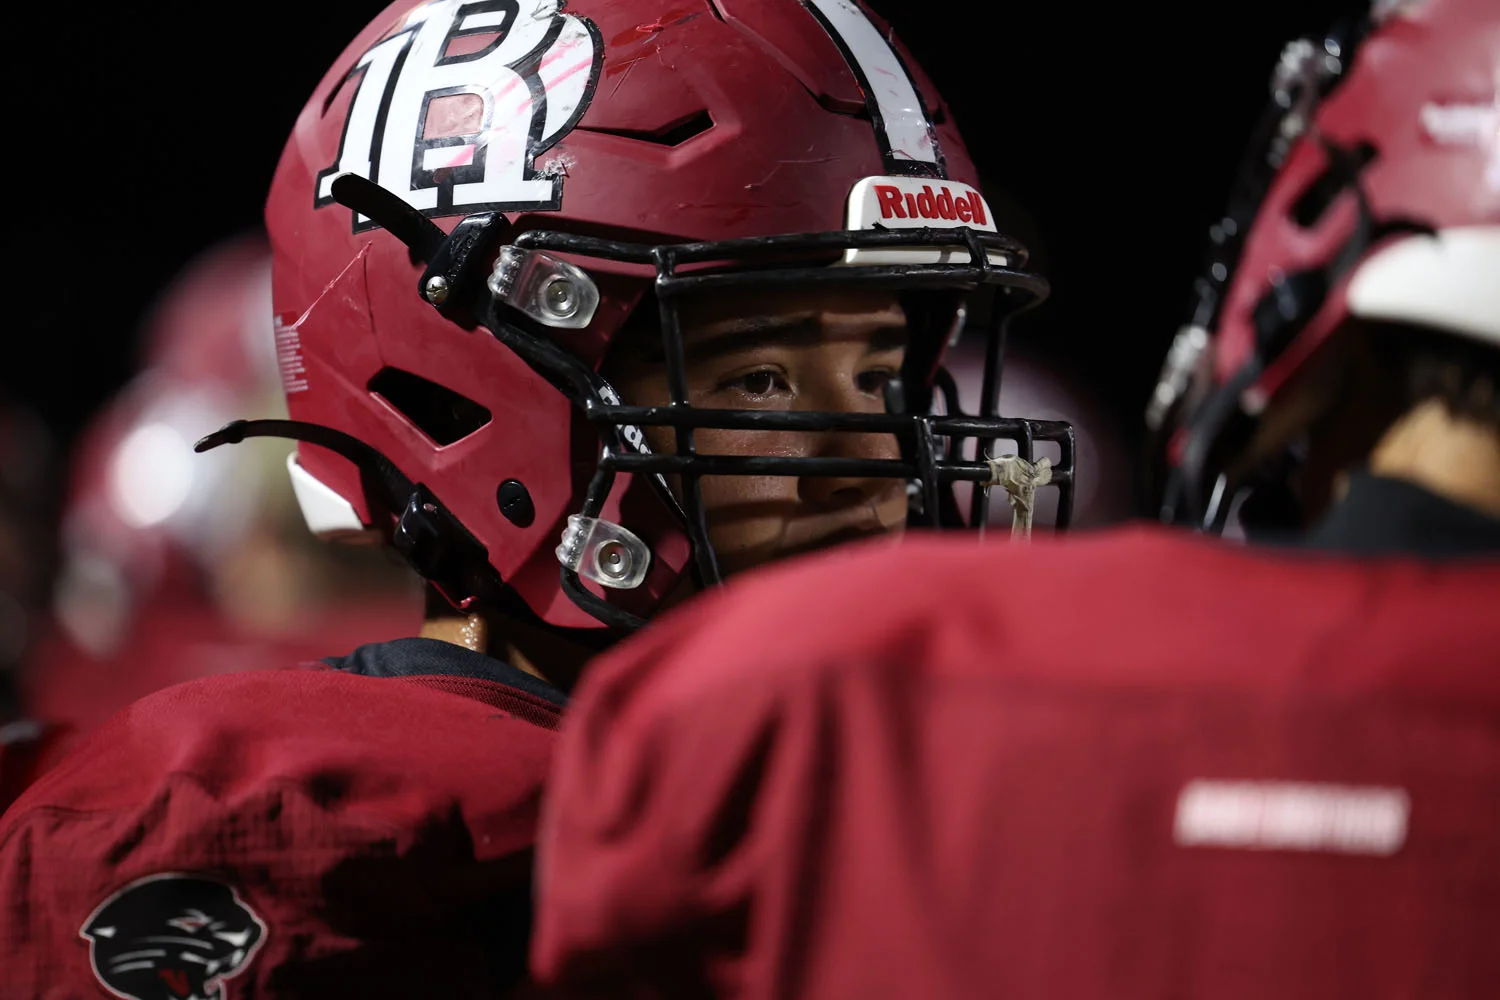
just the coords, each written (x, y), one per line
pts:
(361, 828)
(1138, 764)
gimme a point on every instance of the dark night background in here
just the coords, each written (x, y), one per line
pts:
(141, 134)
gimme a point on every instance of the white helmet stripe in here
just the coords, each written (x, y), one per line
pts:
(901, 122)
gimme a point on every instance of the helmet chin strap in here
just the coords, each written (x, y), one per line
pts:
(434, 542)
(426, 533)
(455, 283)
(431, 539)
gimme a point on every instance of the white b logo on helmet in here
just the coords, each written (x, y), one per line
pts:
(450, 113)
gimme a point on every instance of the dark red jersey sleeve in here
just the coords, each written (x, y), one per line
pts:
(287, 833)
(1128, 765)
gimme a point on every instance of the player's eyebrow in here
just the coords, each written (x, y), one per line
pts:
(739, 335)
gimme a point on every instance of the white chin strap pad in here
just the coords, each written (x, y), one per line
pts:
(328, 515)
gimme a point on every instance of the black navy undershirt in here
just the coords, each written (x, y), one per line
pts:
(418, 657)
(1381, 516)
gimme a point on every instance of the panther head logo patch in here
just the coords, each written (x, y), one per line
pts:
(171, 937)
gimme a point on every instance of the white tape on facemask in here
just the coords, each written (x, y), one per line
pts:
(1020, 479)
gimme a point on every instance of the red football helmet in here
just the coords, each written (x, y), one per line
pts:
(1372, 191)
(480, 193)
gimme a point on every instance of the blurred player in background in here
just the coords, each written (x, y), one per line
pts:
(175, 565)
(1136, 763)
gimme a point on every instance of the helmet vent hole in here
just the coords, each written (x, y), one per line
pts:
(1341, 172)
(442, 414)
(674, 134)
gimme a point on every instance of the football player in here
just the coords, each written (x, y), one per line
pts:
(175, 565)
(580, 309)
(1143, 762)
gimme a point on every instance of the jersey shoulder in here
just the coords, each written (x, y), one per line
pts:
(844, 713)
(316, 811)
(1056, 608)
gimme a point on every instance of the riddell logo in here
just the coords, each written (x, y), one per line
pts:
(898, 204)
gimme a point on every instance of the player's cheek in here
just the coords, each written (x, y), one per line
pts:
(755, 506)
(748, 514)
(745, 533)
(745, 511)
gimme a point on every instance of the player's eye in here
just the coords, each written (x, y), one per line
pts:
(874, 381)
(759, 384)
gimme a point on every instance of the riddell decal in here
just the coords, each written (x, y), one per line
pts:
(897, 204)
(171, 937)
(915, 203)
(451, 112)
(632, 434)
